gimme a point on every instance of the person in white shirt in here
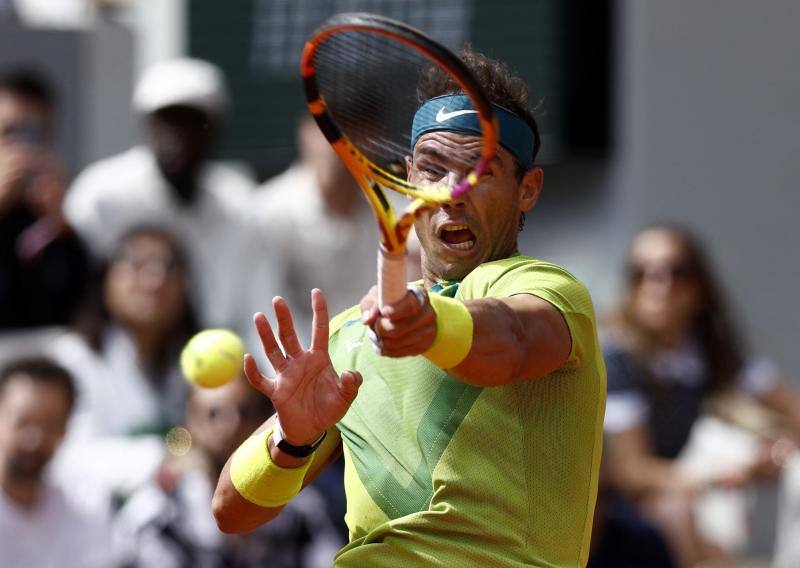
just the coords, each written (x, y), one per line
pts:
(124, 356)
(320, 224)
(39, 527)
(170, 182)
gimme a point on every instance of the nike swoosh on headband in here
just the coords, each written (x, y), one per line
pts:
(442, 116)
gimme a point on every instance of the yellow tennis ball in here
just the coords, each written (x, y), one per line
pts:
(212, 358)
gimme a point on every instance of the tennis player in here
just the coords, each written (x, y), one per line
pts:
(470, 412)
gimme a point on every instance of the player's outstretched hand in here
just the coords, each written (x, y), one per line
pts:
(308, 395)
(407, 327)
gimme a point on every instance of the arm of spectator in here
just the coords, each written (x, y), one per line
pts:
(636, 471)
(45, 193)
(632, 464)
(14, 167)
(784, 400)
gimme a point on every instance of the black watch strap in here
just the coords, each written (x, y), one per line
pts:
(291, 449)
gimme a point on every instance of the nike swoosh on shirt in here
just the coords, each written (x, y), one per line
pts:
(352, 344)
(441, 116)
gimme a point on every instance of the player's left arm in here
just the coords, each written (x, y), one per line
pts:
(515, 338)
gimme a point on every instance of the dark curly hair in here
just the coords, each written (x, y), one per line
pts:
(502, 86)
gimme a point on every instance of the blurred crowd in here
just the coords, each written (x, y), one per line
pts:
(101, 285)
(108, 457)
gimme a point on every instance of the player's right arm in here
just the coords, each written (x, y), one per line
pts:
(309, 399)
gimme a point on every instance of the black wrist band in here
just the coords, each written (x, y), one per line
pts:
(290, 449)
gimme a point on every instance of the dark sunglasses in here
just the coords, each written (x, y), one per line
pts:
(244, 412)
(678, 272)
(168, 264)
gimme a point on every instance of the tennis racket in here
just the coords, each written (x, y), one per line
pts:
(360, 75)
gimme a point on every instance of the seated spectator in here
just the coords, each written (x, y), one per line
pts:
(169, 522)
(125, 358)
(43, 266)
(170, 182)
(39, 527)
(670, 348)
(621, 538)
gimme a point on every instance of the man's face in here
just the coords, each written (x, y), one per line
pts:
(220, 419)
(23, 122)
(181, 138)
(479, 226)
(33, 418)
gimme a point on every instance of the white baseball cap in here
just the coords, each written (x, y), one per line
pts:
(188, 82)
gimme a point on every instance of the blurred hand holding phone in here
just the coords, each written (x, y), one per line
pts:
(31, 176)
(20, 146)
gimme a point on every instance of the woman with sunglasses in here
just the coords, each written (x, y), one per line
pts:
(670, 348)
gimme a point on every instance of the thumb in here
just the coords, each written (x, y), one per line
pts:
(349, 383)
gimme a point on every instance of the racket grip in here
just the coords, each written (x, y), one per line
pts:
(391, 276)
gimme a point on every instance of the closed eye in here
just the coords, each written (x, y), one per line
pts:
(431, 170)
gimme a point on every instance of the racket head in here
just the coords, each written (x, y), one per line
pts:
(360, 74)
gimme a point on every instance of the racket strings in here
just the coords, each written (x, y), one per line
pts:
(369, 83)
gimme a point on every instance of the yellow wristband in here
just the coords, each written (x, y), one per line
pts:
(453, 332)
(258, 479)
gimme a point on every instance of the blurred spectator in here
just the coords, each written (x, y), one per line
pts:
(169, 522)
(621, 538)
(169, 182)
(39, 528)
(43, 266)
(51, 14)
(125, 358)
(670, 348)
(318, 220)
(787, 545)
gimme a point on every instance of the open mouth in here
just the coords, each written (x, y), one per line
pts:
(458, 237)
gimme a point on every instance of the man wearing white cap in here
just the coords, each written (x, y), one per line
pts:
(169, 183)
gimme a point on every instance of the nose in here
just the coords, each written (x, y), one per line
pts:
(32, 438)
(227, 421)
(659, 282)
(153, 276)
(450, 181)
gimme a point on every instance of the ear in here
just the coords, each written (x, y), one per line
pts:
(530, 188)
(409, 163)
